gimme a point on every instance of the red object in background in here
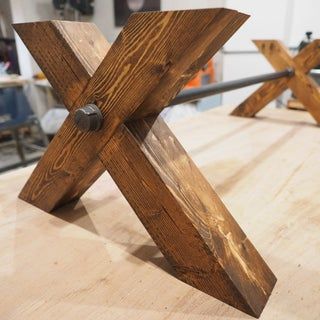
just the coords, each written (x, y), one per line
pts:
(205, 76)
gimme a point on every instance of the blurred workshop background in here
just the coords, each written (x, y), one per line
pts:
(31, 113)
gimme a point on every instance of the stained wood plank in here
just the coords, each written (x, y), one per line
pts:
(185, 217)
(280, 58)
(67, 52)
(215, 265)
(309, 56)
(74, 51)
(307, 91)
(301, 84)
(260, 98)
(218, 31)
(305, 88)
(143, 66)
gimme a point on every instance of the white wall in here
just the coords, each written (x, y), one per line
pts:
(286, 20)
(5, 11)
(104, 19)
(267, 20)
(104, 14)
(305, 17)
(28, 11)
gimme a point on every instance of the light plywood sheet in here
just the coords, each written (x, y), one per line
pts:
(94, 260)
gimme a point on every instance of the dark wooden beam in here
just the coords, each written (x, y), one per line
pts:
(178, 207)
(185, 217)
(133, 68)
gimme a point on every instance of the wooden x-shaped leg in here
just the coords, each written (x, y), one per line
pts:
(151, 60)
(303, 86)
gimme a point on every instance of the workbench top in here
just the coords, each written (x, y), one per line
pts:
(94, 260)
(8, 81)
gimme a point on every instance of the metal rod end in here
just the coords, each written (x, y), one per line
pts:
(88, 118)
(290, 72)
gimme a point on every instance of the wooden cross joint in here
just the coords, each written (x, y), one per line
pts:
(302, 85)
(124, 87)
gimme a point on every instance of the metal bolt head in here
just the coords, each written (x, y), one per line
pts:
(88, 118)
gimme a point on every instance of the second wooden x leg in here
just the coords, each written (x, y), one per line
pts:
(300, 83)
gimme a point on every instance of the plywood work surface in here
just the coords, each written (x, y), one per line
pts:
(94, 260)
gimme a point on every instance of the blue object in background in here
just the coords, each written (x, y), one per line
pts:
(14, 107)
(16, 113)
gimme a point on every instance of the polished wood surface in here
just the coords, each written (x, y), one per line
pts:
(185, 217)
(302, 85)
(94, 260)
(68, 77)
(131, 72)
(219, 259)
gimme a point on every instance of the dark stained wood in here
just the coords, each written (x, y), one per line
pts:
(74, 51)
(301, 84)
(178, 207)
(130, 72)
(185, 217)
(260, 98)
(217, 33)
(67, 52)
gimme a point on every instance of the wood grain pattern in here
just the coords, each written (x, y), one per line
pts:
(182, 213)
(217, 32)
(74, 52)
(260, 98)
(309, 56)
(160, 179)
(126, 76)
(72, 264)
(304, 88)
(185, 217)
(301, 84)
(67, 52)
